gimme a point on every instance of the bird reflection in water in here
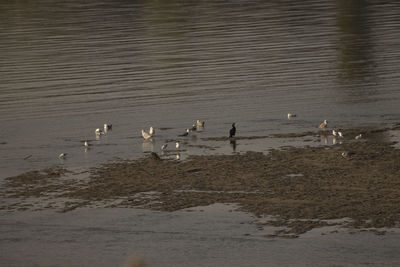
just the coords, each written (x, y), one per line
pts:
(148, 145)
(232, 141)
(324, 139)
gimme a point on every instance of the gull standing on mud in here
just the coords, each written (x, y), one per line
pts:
(62, 155)
(86, 144)
(340, 134)
(232, 131)
(177, 145)
(323, 125)
(334, 133)
(358, 136)
(164, 146)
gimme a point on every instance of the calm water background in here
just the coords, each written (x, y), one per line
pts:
(68, 67)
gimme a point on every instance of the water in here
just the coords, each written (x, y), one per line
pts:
(213, 236)
(68, 67)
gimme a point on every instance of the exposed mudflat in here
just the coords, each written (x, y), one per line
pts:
(302, 188)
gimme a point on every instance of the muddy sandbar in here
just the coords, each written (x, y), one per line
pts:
(302, 188)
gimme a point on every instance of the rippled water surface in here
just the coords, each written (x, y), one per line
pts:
(68, 67)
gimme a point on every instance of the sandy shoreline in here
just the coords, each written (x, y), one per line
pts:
(302, 188)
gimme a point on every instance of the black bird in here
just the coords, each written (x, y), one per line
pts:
(186, 133)
(232, 131)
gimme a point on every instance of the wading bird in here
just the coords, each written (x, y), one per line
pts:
(98, 132)
(151, 131)
(145, 135)
(290, 115)
(107, 127)
(323, 125)
(232, 131)
(200, 124)
(186, 133)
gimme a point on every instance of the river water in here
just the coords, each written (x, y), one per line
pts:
(69, 66)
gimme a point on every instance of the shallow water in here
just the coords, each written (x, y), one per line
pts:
(206, 236)
(68, 67)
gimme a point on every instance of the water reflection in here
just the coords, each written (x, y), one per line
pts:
(130, 62)
(354, 41)
(233, 144)
(324, 138)
(148, 145)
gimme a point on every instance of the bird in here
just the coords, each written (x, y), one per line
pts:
(62, 155)
(107, 127)
(145, 135)
(86, 144)
(194, 127)
(200, 124)
(358, 136)
(334, 133)
(340, 134)
(290, 115)
(186, 133)
(98, 131)
(323, 125)
(164, 146)
(347, 154)
(177, 145)
(151, 131)
(232, 131)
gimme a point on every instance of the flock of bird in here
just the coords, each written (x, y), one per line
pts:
(148, 135)
(335, 132)
(151, 133)
(198, 125)
(86, 144)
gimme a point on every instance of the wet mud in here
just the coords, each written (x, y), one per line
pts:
(301, 188)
